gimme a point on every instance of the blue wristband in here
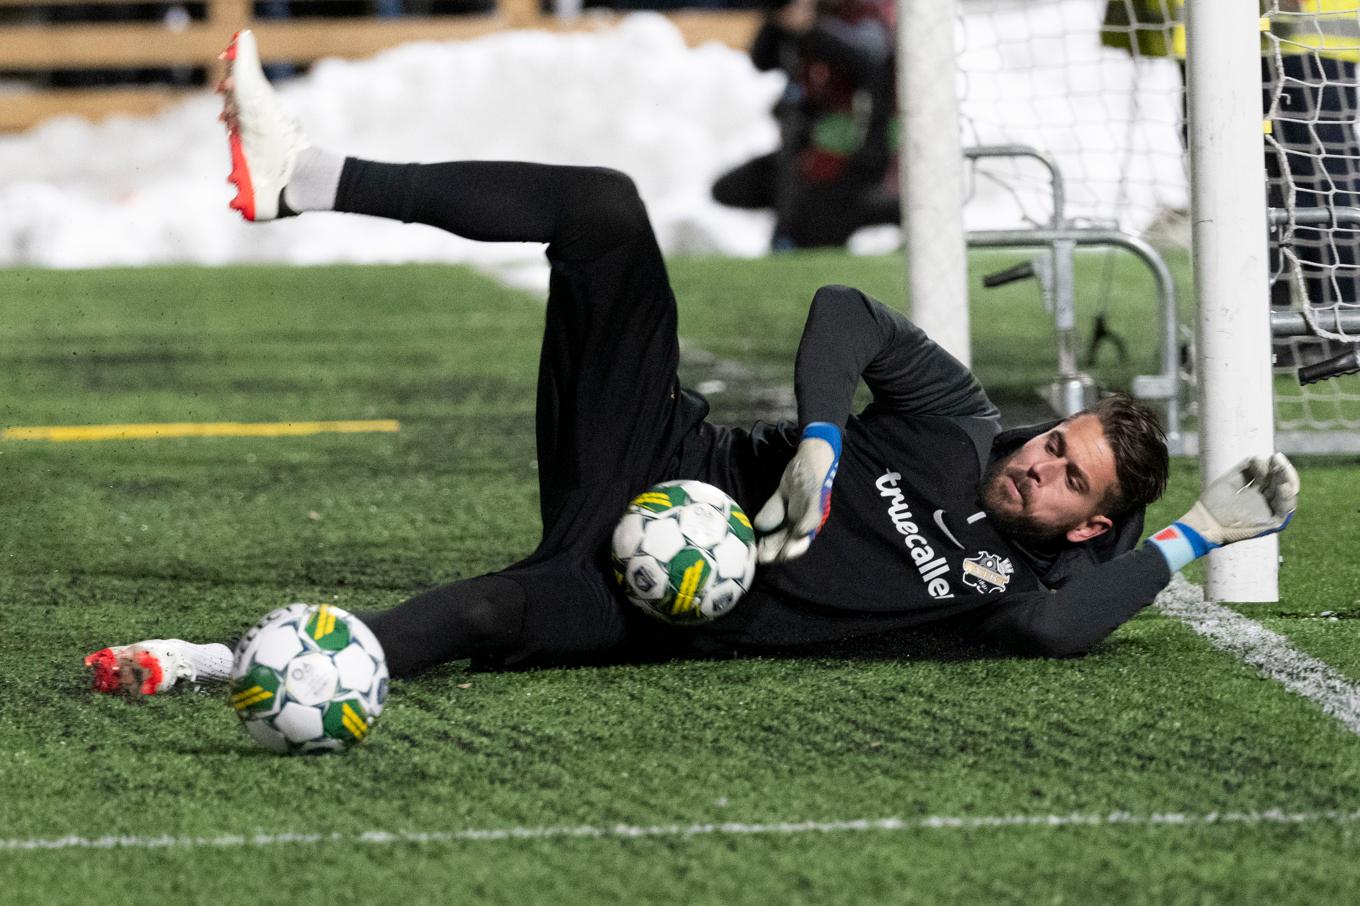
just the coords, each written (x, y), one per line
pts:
(825, 431)
(1179, 544)
(832, 435)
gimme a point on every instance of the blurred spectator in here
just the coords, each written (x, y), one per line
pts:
(1312, 156)
(836, 168)
(1316, 153)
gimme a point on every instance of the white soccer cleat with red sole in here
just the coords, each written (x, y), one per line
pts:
(264, 139)
(145, 668)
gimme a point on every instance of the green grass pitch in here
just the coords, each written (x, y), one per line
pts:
(879, 775)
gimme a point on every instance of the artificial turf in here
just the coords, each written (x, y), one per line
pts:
(683, 781)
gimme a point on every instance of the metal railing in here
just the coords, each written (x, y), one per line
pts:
(1071, 389)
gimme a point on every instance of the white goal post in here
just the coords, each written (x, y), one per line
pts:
(1228, 213)
(931, 173)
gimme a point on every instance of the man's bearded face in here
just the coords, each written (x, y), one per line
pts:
(1054, 486)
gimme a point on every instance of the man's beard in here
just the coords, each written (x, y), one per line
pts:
(1017, 526)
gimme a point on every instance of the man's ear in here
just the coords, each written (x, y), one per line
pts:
(1093, 527)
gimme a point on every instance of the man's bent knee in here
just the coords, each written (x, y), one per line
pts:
(611, 203)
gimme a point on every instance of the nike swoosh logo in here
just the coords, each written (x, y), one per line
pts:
(939, 520)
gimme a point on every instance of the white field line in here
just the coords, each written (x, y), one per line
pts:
(686, 831)
(1267, 651)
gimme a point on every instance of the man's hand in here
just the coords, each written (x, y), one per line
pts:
(1256, 497)
(791, 518)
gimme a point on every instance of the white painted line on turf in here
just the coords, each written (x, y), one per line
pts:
(1267, 651)
(728, 828)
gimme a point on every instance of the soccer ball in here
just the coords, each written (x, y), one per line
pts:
(308, 678)
(684, 552)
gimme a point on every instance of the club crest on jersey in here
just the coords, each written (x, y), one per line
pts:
(987, 572)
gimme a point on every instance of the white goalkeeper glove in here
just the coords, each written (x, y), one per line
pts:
(1256, 497)
(791, 518)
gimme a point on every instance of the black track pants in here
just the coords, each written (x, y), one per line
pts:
(610, 413)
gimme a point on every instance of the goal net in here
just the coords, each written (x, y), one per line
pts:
(1098, 86)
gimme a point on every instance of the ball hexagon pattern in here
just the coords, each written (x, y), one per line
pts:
(684, 552)
(308, 679)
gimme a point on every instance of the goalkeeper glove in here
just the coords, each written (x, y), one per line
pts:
(1256, 497)
(791, 518)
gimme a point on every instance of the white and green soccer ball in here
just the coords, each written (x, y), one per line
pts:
(308, 678)
(684, 552)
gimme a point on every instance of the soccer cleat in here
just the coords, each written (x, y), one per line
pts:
(145, 668)
(264, 140)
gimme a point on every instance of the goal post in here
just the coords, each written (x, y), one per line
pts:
(931, 173)
(1231, 270)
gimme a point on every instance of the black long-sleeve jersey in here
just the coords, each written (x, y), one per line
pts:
(907, 541)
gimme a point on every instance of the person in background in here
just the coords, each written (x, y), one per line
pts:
(1312, 153)
(835, 170)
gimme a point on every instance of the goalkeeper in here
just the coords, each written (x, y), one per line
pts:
(917, 511)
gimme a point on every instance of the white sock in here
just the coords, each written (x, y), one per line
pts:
(211, 663)
(315, 181)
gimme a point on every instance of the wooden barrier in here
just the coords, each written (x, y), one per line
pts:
(52, 46)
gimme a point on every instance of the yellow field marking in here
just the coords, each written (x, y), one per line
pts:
(197, 429)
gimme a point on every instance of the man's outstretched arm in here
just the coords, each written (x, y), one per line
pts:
(1255, 498)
